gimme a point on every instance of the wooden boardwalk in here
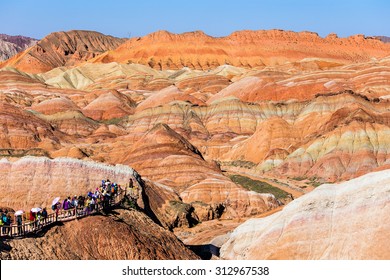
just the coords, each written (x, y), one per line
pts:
(29, 228)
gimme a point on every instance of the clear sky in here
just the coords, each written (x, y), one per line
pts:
(215, 17)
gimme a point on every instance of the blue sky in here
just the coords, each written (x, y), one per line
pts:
(217, 18)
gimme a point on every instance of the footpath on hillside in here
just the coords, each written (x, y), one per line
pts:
(21, 224)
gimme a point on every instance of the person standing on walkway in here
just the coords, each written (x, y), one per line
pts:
(2, 221)
(92, 204)
(44, 215)
(58, 210)
(8, 222)
(32, 220)
(19, 222)
(131, 186)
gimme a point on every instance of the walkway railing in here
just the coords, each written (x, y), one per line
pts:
(34, 227)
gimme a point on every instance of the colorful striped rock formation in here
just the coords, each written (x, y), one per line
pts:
(165, 50)
(188, 111)
(344, 221)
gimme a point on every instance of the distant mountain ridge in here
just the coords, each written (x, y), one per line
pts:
(11, 45)
(384, 39)
(163, 50)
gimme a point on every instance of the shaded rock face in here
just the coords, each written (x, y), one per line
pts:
(166, 207)
(11, 45)
(120, 235)
(349, 220)
(63, 48)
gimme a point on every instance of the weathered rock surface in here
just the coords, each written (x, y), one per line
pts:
(283, 138)
(287, 83)
(168, 158)
(122, 235)
(23, 130)
(349, 220)
(291, 107)
(109, 105)
(62, 48)
(280, 138)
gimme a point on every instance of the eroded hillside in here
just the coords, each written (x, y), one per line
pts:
(295, 114)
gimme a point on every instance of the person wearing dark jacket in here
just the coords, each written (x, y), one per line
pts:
(19, 223)
(44, 215)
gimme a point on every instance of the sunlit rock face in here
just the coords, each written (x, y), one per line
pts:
(61, 49)
(349, 220)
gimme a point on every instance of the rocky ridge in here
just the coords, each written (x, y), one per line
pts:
(165, 50)
(62, 49)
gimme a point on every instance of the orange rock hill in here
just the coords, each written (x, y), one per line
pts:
(165, 50)
(62, 48)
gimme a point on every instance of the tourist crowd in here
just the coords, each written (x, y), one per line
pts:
(70, 206)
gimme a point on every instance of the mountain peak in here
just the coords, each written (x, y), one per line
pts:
(63, 48)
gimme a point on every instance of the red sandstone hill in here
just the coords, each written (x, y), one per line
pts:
(165, 50)
(62, 48)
